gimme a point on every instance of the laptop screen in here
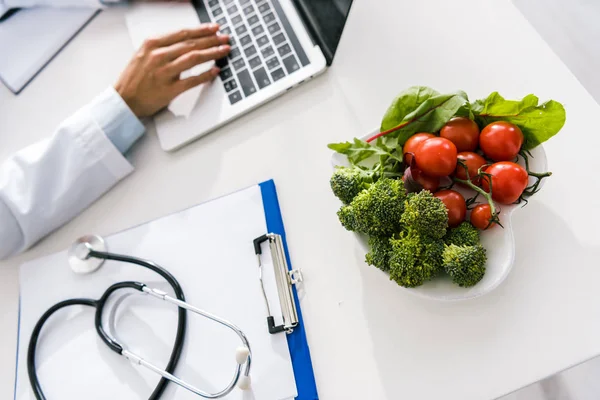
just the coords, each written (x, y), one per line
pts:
(325, 19)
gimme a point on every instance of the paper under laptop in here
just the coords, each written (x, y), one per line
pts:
(209, 249)
(30, 38)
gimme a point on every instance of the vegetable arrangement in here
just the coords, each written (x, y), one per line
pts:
(398, 189)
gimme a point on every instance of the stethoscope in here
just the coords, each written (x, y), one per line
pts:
(86, 255)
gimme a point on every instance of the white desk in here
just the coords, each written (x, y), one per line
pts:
(369, 339)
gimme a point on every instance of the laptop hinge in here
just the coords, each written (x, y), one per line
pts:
(312, 27)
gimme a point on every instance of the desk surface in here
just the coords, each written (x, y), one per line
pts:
(369, 338)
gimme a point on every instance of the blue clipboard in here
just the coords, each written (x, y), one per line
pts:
(297, 343)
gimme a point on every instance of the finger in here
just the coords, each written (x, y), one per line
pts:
(195, 57)
(176, 50)
(180, 36)
(185, 84)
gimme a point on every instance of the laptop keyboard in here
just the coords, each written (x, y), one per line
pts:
(261, 51)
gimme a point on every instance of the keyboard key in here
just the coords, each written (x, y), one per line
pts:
(221, 21)
(252, 20)
(234, 53)
(226, 73)
(232, 10)
(262, 78)
(232, 41)
(246, 82)
(250, 51)
(235, 97)
(262, 41)
(257, 30)
(264, 8)
(227, 1)
(274, 28)
(230, 85)
(285, 49)
(213, 3)
(226, 31)
(222, 62)
(272, 63)
(236, 20)
(239, 64)
(249, 10)
(277, 74)
(241, 29)
(217, 11)
(269, 18)
(267, 52)
(278, 39)
(291, 64)
(246, 40)
(254, 62)
(242, 2)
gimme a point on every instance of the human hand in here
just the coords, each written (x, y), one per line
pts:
(151, 79)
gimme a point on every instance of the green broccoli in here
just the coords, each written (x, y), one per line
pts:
(463, 235)
(414, 259)
(425, 215)
(380, 252)
(376, 211)
(465, 264)
(347, 182)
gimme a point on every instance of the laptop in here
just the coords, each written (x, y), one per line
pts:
(275, 46)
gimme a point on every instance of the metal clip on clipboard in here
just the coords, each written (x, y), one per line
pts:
(285, 278)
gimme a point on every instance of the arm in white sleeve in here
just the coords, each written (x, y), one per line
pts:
(8, 4)
(47, 184)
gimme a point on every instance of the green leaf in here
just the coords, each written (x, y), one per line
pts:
(360, 150)
(537, 122)
(420, 109)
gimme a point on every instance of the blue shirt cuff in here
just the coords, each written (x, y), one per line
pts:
(116, 119)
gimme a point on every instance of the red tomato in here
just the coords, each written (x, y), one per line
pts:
(481, 216)
(436, 156)
(414, 141)
(455, 204)
(463, 132)
(501, 141)
(473, 161)
(508, 181)
(431, 183)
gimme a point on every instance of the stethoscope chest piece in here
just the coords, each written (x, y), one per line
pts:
(78, 254)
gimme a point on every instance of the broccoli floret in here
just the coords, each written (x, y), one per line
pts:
(376, 211)
(465, 264)
(380, 252)
(347, 182)
(425, 215)
(463, 235)
(414, 259)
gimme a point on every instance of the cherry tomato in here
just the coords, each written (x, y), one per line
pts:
(413, 142)
(431, 183)
(455, 204)
(508, 181)
(463, 132)
(501, 141)
(473, 161)
(436, 156)
(481, 216)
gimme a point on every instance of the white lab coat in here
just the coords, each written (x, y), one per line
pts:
(45, 185)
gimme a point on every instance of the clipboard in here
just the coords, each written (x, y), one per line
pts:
(37, 274)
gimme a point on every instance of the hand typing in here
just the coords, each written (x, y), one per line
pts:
(151, 79)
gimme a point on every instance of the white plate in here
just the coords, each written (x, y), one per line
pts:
(499, 243)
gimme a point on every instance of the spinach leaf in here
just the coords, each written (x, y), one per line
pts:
(537, 122)
(419, 109)
(360, 150)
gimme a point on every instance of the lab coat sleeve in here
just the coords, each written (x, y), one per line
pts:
(47, 184)
(56, 3)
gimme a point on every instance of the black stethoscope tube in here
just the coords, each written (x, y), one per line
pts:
(99, 305)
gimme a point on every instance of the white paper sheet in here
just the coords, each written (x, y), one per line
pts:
(209, 250)
(145, 20)
(30, 38)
